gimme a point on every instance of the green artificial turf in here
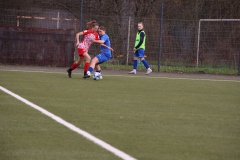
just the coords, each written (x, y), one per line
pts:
(149, 118)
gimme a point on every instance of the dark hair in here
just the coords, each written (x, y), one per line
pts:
(102, 28)
(91, 24)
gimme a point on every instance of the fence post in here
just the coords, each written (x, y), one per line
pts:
(81, 8)
(18, 20)
(160, 39)
(129, 25)
(198, 41)
(76, 57)
(58, 21)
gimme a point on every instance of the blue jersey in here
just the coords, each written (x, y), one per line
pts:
(104, 49)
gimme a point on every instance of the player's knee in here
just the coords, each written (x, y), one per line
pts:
(88, 59)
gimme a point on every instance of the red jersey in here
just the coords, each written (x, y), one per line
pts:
(89, 36)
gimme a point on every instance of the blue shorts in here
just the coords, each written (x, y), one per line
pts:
(139, 53)
(102, 58)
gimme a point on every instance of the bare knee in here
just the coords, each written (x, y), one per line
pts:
(135, 58)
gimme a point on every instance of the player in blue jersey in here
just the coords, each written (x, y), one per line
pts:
(105, 54)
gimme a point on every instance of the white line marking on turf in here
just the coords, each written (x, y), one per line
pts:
(143, 76)
(85, 134)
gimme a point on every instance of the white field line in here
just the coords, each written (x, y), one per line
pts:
(173, 78)
(85, 134)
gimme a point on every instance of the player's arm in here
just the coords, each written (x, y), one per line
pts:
(98, 41)
(77, 37)
(104, 39)
(141, 40)
(110, 48)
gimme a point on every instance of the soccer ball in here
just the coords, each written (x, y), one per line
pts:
(97, 76)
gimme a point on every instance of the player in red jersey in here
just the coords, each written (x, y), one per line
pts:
(90, 36)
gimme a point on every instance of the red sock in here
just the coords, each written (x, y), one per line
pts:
(86, 66)
(74, 66)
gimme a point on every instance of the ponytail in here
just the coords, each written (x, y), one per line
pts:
(91, 24)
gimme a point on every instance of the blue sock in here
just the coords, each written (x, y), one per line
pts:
(145, 63)
(135, 63)
(99, 71)
(90, 69)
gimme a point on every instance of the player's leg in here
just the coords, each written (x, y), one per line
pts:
(94, 62)
(98, 69)
(77, 63)
(90, 69)
(102, 58)
(74, 65)
(99, 59)
(145, 63)
(135, 63)
(87, 63)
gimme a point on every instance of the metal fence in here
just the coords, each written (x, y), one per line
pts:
(186, 46)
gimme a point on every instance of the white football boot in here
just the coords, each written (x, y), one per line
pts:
(133, 72)
(148, 71)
